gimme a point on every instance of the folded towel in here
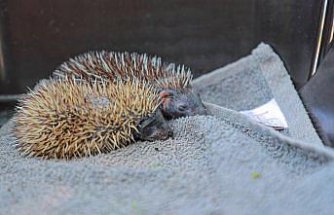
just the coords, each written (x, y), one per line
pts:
(225, 163)
(251, 82)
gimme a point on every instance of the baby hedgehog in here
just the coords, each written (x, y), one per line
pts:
(172, 82)
(68, 118)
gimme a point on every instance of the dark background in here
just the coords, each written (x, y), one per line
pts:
(38, 35)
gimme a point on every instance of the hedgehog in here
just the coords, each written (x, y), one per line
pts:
(65, 119)
(173, 82)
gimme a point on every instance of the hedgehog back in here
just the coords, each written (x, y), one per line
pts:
(66, 119)
(126, 66)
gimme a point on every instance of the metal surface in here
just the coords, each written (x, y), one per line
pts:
(320, 38)
(37, 35)
(327, 35)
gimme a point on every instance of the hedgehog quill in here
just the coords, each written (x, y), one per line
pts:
(173, 82)
(69, 119)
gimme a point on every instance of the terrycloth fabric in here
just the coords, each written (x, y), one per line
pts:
(253, 81)
(211, 167)
(220, 164)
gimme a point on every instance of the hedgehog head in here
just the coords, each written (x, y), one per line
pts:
(177, 96)
(70, 118)
(179, 103)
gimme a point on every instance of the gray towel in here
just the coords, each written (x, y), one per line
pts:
(220, 164)
(254, 80)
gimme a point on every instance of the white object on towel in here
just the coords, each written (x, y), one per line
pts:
(268, 114)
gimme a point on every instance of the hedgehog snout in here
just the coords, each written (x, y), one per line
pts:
(197, 106)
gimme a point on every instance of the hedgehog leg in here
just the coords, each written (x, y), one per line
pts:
(154, 127)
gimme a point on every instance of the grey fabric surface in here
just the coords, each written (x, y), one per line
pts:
(238, 86)
(212, 166)
(253, 81)
(220, 164)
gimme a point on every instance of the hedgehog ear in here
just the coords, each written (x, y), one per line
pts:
(167, 93)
